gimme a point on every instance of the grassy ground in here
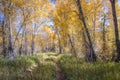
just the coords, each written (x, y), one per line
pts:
(77, 69)
(27, 68)
(50, 66)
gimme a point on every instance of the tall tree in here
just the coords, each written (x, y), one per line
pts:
(113, 2)
(104, 35)
(92, 56)
(10, 47)
(4, 38)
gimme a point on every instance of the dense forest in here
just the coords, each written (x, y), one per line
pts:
(59, 39)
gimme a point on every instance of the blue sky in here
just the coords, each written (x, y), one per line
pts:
(119, 2)
(1, 16)
(52, 1)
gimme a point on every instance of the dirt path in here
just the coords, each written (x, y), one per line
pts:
(59, 72)
(60, 75)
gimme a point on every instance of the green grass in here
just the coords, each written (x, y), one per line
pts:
(18, 69)
(77, 69)
(42, 67)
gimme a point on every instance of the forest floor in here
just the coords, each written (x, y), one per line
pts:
(60, 74)
(53, 66)
(55, 59)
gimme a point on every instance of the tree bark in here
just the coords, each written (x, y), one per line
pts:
(116, 29)
(21, 44)
(26, 40)
(33, 40)
(85, 45)
(4, 38)
(104, 35)
(10, 47)
(92, 55)
(59, 41)
(72, 46)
